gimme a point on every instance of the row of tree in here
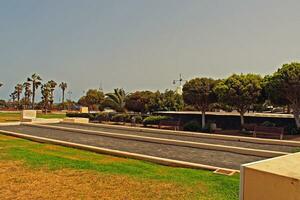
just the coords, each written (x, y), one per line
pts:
(139, 101)
(30, 87)
(240, 92)
(243, 92)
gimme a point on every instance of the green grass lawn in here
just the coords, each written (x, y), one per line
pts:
(15, 116)
(196, 184)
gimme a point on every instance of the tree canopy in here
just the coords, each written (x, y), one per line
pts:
(240, 92)
(199, 93)
(284, 85)
(138, 101)
(93, 99)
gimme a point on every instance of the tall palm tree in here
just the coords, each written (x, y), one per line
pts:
(46, 95)
(18, 91)
(117, 99)
(63, 86)
(13, 96)
(35, 79)
(52, 85)
(27, 93)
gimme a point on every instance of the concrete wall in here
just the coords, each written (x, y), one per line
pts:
(272, 179)
(232, 120)
(84, 110)
(28, 115)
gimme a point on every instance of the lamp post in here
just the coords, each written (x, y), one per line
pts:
(179, 87)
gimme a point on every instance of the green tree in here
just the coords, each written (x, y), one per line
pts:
(46, 95)
(171, 101)
(138, 101)
(116, 100)
(199, 93)
(283, 87)
(52, 85)
(63, 86)
(240, 92)
(35, 79)
(166, 101)
(93, 99)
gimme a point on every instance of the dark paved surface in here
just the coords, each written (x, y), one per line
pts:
(202, 156)
(271, 147)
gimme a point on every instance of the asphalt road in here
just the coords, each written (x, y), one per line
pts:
(189, 154)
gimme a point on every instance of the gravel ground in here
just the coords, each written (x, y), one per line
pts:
(271, 147)
(202, 156)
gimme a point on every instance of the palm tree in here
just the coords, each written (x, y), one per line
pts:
(117, 99)
(52, 85)
(13, 96)
(46, 95)
(63, 87)
(36, 82)
(27, 94)
(18, 91)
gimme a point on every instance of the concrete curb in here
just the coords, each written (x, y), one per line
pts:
(159, 160)
(238, 150)
(197, 135)
(10, 123)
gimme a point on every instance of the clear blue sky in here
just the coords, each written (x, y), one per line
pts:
(143, 44)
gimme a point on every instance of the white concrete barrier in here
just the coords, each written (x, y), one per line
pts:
(272, 179)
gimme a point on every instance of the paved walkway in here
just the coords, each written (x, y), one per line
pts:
(195, 155)
(251, 145)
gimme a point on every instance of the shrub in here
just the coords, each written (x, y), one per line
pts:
(154, 120)
(121, 118)
(193, 126)
(103, 117)
(83, 115)
(138, 119)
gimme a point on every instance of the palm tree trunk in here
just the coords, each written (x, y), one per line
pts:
(63, 98)
(33, 95)
(242, 119)
(203, 119)
(296, 112)
(18, 101)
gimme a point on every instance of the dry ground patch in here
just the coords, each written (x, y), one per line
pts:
(20, 182)
(30, 170)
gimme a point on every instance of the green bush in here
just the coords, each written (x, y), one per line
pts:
(103, 117)
(138, 119)
(193, 126)
(90, 116)
(121, 118)
(154, 120)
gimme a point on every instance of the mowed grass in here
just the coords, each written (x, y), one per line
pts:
(15, 116)
(106, 176)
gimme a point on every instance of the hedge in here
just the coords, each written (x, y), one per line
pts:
(115, 117)
(154, 120)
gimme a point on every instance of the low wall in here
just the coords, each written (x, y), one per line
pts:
(232, 120)
(276, 179)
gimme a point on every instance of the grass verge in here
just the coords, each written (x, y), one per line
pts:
(145, 180)
(15, 116)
